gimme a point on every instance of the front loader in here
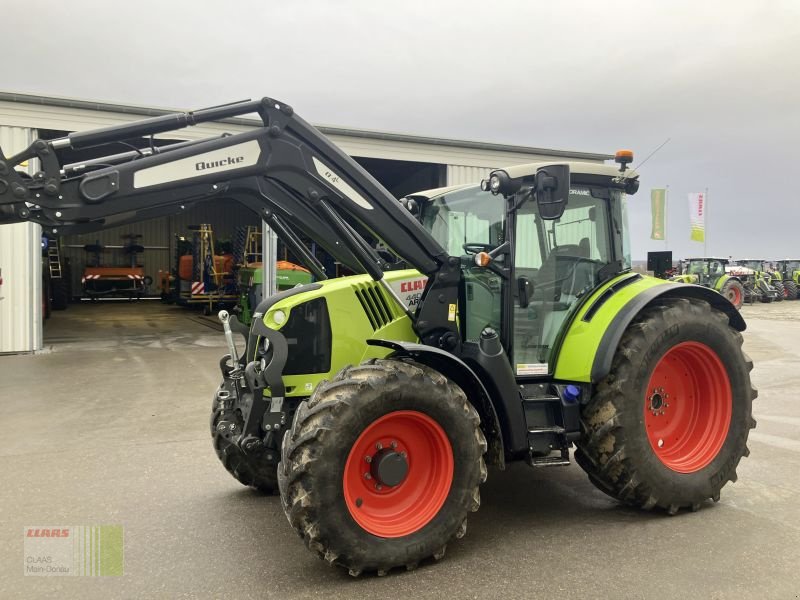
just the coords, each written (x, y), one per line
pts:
(508, 327)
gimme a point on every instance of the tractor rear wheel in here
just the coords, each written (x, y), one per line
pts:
(257, 468)
(790, 290)
(778, 285)
(668, 425)
(382, 466)
(733, 290)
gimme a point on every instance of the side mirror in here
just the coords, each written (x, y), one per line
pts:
(525, 291)
(552, 190)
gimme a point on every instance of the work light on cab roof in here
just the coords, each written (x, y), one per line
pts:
(624, 158)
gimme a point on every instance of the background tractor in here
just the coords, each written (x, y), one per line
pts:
(711, 273)
(508, 326)
(768, 284)
(789, 270)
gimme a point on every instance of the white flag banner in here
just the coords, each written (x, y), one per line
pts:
(697, 216)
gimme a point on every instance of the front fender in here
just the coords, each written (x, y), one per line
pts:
(721, 282)
(595, 332)
(462, 375)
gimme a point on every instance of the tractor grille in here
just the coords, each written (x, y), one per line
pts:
(374, 304)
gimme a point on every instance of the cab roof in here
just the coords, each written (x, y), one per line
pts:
(529, 169)
(584, 168)
(708, 258)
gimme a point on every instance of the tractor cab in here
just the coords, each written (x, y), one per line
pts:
(707, 270)
(789, 268)
(756, 264)
(525, 268)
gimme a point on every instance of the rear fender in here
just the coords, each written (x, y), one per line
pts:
(462, 375)
(595, 332)
(610, 341)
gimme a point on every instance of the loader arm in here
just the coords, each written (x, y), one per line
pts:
(286, 167)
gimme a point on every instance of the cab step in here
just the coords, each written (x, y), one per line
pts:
(551, 460)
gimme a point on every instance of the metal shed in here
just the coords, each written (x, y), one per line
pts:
(23, 117)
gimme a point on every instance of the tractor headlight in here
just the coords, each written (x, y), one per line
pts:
(279, 317)
(494, 184)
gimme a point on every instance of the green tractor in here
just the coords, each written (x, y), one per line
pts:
(768, 284)
(711, 273)
(789, 270)
(508, 327)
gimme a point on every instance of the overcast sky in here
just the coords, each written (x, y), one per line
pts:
(721, 79)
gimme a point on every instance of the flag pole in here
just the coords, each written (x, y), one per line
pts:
(666, 218)
(705, 225)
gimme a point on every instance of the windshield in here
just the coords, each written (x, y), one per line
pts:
(792, 265)
(706, 267)
(756, 265)
(462, 217)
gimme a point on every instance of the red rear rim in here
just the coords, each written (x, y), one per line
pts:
(785, 292)
(398, 474)
(687, 407)
(736, 296)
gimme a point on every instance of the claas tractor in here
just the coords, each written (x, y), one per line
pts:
(789, 270)
(506, 326)
(711, 273)
(768, 283)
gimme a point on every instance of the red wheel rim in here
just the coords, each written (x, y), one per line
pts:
(785, 292)
(736, 296)
(687, 407)
(392, 511)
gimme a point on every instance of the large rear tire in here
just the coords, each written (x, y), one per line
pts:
(668, 425)
(790, 290)
(778, 285)
(382, 466)
(256, 468)
(733, 290)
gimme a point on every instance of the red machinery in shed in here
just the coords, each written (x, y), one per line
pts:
(102, 280)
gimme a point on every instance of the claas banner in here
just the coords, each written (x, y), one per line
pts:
(697, 216)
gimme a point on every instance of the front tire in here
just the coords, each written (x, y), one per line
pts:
(256, 468)
(382, 466)
(668, 425)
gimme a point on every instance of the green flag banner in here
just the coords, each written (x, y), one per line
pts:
(658, 205)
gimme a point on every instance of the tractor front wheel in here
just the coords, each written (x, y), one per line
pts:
(256, 468)
(382, 466)
(668, 425)
(733, 290)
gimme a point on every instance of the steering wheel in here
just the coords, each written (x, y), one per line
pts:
(475, 247)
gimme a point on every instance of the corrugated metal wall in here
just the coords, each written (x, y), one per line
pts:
(224, 215)
(20, 261)
(461, 174)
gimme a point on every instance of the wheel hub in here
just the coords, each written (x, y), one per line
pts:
(658, 402)
(398, 474)
(389, 467)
